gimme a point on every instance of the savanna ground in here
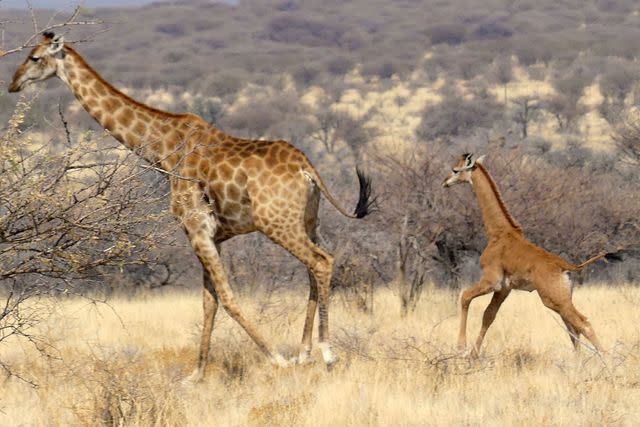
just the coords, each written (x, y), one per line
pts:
(123, 363)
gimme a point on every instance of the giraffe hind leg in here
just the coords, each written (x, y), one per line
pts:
(562, 304)
(320, 264)
(310, 219)
(573, 334)
(580, 323)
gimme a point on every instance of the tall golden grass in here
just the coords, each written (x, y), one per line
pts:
(124, 364)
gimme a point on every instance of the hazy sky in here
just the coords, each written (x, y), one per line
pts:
(70, 4)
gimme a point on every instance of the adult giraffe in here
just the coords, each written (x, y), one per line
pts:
(221, 186)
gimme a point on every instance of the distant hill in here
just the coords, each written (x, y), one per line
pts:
(577, 57)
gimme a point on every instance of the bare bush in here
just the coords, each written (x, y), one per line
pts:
(171, 29)
(69, 215)
(526, 111)
(503, 72)
(121, 391)
(564, 105)
(410, 290)
(617, 80)
(292, 28)
(431, 246)
(627, 139)
(451, 34)
(457, 116)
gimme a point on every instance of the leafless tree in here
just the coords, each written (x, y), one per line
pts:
(327, 126)
(503, 73)
(51, 25)
(410, 290)
(565, 105)
(526, 110)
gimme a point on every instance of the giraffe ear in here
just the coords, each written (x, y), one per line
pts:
(57, 43)
(468, 160)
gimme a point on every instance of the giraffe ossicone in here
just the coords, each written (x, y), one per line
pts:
(221, 186)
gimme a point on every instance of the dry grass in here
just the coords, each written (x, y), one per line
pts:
(124, 365)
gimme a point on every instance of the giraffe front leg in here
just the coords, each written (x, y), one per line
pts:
(201, 227)
(209, 308)
(305, 346)
(486, 284)
(489, 316)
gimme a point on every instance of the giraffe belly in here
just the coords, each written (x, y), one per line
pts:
(521, 283)
(233, 226)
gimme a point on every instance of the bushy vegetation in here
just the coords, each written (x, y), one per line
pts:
(249, 68)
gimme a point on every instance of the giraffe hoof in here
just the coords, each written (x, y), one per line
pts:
(330, 359)
(464, 351)
(280, 361)
(195, 377)
(331, 363)
(304, 358)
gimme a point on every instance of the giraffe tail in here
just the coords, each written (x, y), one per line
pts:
(367, 202)
(607, 257)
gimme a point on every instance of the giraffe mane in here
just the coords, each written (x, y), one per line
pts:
(117, 91)
(501, 203)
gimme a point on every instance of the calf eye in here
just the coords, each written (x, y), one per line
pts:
(35, 58)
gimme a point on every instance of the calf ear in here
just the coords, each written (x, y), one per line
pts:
(57, 43)
(481, 159)
(468, 160)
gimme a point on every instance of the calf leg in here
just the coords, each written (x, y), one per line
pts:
(490, 315)
(573, 334)
(557, 297)
(487, 284)
(581, 325)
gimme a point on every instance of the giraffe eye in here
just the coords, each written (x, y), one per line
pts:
(35, 58)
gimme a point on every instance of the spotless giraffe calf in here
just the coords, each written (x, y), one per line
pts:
(510, 261)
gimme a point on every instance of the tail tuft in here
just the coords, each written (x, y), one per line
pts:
(614, 256)
(367, 203)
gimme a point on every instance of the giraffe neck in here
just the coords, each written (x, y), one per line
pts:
(145, 130)
(495, 214)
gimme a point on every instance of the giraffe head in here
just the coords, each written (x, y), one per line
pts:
(42, 62)
(461, 171)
